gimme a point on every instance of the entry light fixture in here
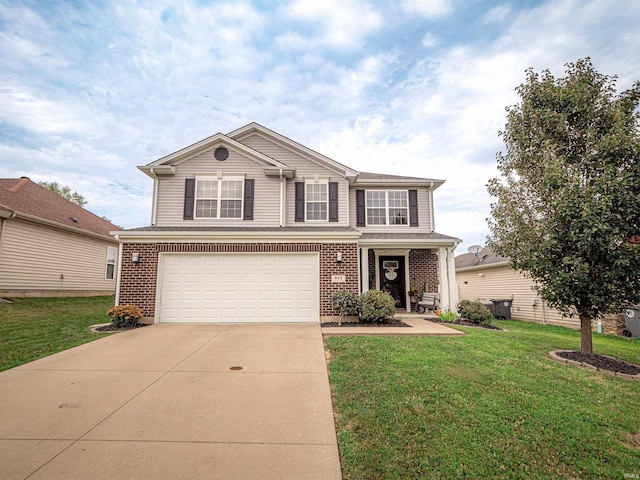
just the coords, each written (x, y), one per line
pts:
(339, 257)
(135, 257)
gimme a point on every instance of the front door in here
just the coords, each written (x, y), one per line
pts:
(392, 279)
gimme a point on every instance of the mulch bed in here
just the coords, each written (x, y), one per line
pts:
(388, 322)
(601, 361)
(464, 323)
(112, 328)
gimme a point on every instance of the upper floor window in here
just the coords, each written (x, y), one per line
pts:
(219, 198)
(317, 200)
(111, 263)
(387, 207)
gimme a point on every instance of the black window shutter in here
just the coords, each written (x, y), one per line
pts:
(299, 201)
(189, 197)
(413, 208)
(333, 201)
(249, 184)
(360, 209)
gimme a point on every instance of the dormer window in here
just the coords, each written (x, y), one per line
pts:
(387, 207)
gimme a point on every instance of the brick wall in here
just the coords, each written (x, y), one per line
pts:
(423, 269)
(138, 280)
(329, 267)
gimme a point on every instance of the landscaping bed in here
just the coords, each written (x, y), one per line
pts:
(465, 323)
(387, 322)
(603, 362)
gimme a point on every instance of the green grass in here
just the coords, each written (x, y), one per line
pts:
(32, 328)
(487, 405)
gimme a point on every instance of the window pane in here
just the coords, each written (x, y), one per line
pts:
(316, 192)
(397, 216)
(110, 269)
(316, 211)
(230, 208)
(207, 189)
(206, 208)
(376, 199)
(376, 216)
(111, 254)
(397, 199)
(231, 189)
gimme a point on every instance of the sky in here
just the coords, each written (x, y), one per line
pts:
(89, 90)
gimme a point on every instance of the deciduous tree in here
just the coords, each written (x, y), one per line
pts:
(567, 209)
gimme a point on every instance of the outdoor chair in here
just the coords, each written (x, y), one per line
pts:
(429, 301)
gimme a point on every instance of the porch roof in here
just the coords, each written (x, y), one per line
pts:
(408, 240)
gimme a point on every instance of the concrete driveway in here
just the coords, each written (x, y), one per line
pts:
(166, 402)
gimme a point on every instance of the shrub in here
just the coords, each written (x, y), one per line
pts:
(125, 316)
(448, 316)
(345, 303)
(475, 312)
(375, 306)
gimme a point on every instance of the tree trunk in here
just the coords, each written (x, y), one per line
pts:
(586, 342)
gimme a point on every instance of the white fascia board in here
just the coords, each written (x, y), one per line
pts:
(482, 267)
(406, 243)
(394, 183)
(205, 145)
(236, 237)
(295, 147)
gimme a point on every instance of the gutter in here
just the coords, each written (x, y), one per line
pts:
(485, 265)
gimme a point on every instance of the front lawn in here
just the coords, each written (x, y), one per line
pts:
(31, 328)
(487, 405)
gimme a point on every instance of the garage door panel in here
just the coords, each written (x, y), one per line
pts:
(239, 287)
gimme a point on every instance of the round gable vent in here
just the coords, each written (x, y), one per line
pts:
(221, 153)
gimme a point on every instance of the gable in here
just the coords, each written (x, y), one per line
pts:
(219, 147)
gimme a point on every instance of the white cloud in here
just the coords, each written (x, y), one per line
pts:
(345, 25)
(428, 8)
(429, 40)
(497, 14)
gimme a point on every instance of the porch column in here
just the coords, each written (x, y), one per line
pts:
(364, 270)
(443, 278)
(453, 286)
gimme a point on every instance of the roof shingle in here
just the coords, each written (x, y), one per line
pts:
(21, 195)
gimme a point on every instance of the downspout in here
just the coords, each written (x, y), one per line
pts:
(432, 211)
(119, 274)
(282, 199)
(155, 197)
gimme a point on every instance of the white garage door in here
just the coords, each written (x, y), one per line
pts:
(229, 287)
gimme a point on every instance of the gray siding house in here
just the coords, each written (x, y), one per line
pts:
(252, 226)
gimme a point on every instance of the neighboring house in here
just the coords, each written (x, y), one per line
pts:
(485, 276)
(253, 227)
(51, 247)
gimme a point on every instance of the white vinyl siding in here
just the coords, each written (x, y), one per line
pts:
(496, 282)
(170, 203)
(316, 201)
(39, 258)
(305, 170)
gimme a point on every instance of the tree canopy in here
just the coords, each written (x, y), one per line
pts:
(567, 209)
(64, 192)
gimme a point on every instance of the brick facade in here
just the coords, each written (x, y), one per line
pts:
(138, 280)
(612, 324)
(423, 269)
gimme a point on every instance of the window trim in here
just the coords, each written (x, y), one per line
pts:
(324, 182)
(110, 261)
(218, 198)
(386, 209)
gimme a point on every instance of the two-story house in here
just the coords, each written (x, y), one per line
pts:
(254, 227)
